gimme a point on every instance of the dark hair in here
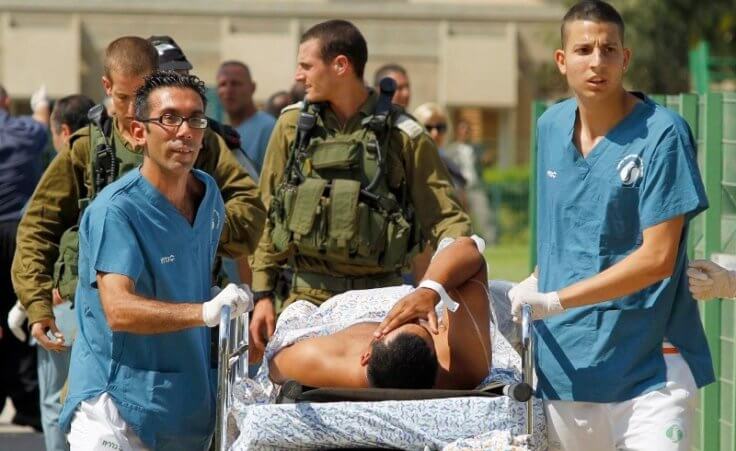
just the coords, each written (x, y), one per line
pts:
(297, 92)
(277, 102)
(405, 362)
(595, 11)
(130, 55)
(72, 112)
(235, 63)
(340, 37)
(166, 79)
(386, 69)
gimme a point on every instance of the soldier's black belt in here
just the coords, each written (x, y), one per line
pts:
(340, 284)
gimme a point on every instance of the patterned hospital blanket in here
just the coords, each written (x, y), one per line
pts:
(456, 423)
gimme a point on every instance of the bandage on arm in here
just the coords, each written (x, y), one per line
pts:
(445, 299)
(444, 242)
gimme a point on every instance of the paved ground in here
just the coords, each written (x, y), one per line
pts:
(17, 438)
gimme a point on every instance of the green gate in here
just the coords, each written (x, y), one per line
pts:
(712, 118)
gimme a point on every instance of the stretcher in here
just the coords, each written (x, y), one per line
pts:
(325, 413)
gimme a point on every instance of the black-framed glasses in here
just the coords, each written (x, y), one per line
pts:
(174, 120)
(441, 127)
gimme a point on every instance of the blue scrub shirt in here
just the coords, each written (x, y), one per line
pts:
(591, 214)
(254, 135)
(162, 384)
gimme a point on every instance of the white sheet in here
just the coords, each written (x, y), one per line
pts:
(482, 423)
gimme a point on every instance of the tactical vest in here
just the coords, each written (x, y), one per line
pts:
(108, 160)
(335, 202)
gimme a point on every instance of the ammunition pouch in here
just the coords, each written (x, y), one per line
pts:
(336, 204)
(66, 270)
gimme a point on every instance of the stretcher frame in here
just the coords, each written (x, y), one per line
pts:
(233, 367)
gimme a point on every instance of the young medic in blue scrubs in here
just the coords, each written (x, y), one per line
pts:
(620, 349)
(140, 376)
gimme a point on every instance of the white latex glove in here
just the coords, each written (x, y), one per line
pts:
(39, 99)
(232, 296)
(16, 318)
(526, 286)
(543, 305)
(709, 280)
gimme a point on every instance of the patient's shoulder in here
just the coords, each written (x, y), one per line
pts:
(297, 361)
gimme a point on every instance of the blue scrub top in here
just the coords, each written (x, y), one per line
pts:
(254, 135)
(162, 384)
(591, 214)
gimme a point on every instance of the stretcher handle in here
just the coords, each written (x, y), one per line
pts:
(232, 366)
(223, 371)
(527, 361)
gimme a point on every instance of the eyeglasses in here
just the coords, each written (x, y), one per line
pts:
(441, 127)
(174, 120)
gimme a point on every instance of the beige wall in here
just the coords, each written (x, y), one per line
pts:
(478, 65)
(462, 53)
(38, 50)
(268, 48)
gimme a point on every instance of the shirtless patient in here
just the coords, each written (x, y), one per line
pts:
(409, 349)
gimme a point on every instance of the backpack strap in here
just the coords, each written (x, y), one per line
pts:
(104, 162)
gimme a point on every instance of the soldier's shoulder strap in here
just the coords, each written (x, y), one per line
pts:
(100, 131)
(408, 125)
(226, 132)
(98, 118)
(293, 106)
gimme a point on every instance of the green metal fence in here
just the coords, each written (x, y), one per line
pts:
(706, 68)
(712, 118)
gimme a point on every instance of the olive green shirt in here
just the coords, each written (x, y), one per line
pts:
(54, 208)
(411, 157)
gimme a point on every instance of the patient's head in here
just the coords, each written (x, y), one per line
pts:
(404, 359)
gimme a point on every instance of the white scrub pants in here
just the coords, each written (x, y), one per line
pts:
(98, 426)
(660, 420)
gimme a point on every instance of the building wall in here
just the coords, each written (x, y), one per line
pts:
(466, 54)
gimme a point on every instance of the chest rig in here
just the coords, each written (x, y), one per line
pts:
(336, 202)
(108, 161)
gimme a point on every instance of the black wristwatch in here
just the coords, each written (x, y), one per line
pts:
(258, 295)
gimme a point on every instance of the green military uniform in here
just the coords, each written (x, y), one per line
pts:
(413, 164)
(55, 207)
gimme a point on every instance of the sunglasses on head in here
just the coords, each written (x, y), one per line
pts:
(441, 127)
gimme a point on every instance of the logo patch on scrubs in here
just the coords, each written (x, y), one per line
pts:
(107, 443)
(674, 433)
(551, 174)
(215, 219)
(630, 169)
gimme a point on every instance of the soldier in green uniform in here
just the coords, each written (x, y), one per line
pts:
(352, 183)
(46, 256)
